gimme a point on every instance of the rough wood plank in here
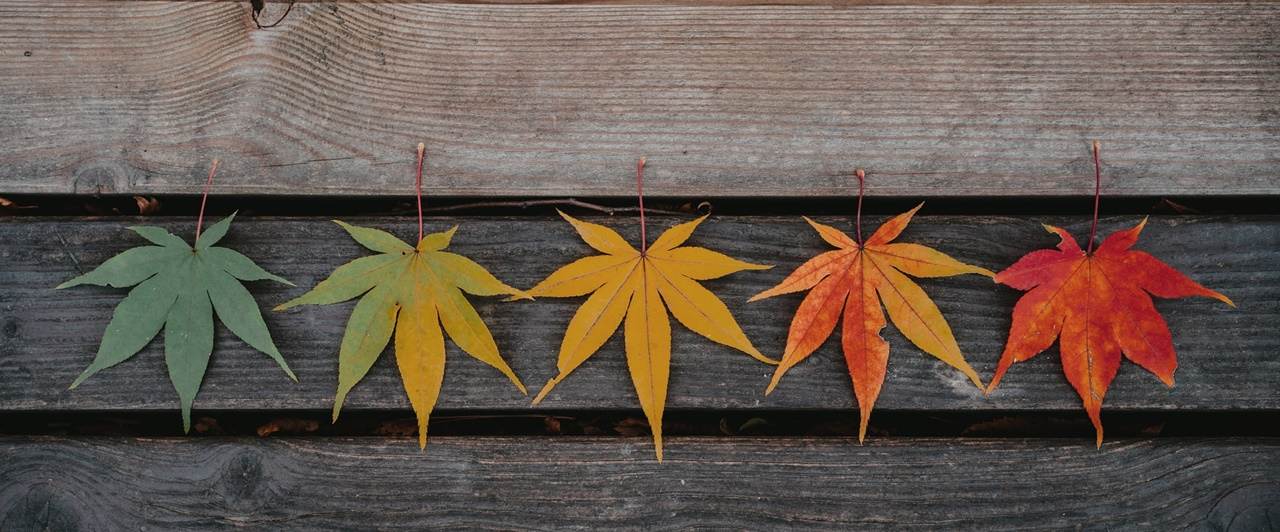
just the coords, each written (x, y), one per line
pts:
(281, 5)
(1229, 358)
(541, 483)
(137, 97)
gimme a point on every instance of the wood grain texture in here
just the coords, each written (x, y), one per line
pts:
(544, 483)
(1228, 357)
(137, 97)
(281, 5)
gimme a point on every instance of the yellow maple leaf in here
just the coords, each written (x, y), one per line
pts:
(640, 286)
(413, 291)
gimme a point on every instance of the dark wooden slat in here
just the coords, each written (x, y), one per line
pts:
(540, 483)
(1229, 358)
(137, 97)
(281, 5)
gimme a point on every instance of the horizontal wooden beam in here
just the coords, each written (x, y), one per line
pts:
(138, 97)
(282, 5)
(748, 483)
(1228, 358)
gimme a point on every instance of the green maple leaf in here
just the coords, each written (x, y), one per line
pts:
(178, 288)
(413, 291)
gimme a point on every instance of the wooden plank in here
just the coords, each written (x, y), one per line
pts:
(137, 97)
(280, 5)
(539, 483)
(1228, 357)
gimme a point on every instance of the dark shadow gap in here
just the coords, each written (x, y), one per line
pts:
(278, 4)
(189, 205)
(614, 423)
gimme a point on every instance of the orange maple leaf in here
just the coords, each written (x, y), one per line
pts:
(1099, 303)
(855, 278)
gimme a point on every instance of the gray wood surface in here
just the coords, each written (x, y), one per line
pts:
(280, 5)
(1228, 357)
(137, 97)
(542, 483)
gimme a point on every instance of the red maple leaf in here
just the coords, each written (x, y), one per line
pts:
(1099, 303)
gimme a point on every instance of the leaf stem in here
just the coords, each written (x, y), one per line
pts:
(213, 169)
(422, 152)
(862, 181)
(1097, 194)
(644, 238)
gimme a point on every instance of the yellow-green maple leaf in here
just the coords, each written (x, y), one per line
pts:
(412, 291)
(640, 286)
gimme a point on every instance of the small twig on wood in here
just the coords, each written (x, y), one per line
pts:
(256, 7)
(1166, 204)
(486, 417)
(147, 206)
(568, 202)
(9, 204)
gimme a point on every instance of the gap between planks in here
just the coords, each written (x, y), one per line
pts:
(281, 4)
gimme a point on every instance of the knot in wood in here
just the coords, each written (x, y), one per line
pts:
(244, 483)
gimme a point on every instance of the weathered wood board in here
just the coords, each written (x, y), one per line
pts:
(952, 100)
(726, 99)
(537, 483)
(1229, 358)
